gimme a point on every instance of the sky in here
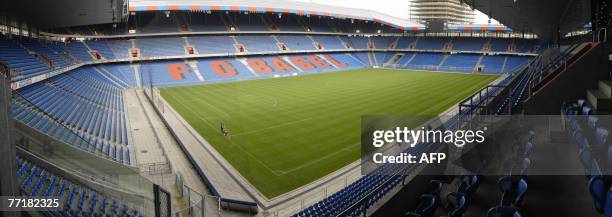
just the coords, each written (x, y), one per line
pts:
(396, 8)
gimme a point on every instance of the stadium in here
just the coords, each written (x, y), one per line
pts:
(265, 108)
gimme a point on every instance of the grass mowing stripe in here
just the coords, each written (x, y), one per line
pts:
(293, 130)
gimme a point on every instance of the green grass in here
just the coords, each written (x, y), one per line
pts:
(287, 132)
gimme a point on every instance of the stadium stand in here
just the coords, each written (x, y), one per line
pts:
(78, 50)
(209, 23)
(258, 43)
(382, 57)
(123, 73)
(119, 48)
(166, 46)
(21, 60)
(213, 44)
(468, 44)
(288, 23)
(492, 64)
(156, 23)
(55, 59)
(77, 200)
(329, 42)
(526, 46)
(460, 62)
(230, 69)
(297, 42)
(383, 42)
(103, 48)
(405, 42)
(499, 44)
(426, 60)
(359, 42)
(81, 108)
(248, 22)
(431, 43)
(513, 62)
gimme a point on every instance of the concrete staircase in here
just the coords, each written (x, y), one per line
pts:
(601, 98)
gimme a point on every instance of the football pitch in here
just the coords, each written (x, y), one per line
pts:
(287, 132)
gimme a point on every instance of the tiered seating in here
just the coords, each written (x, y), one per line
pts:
(329, 42)
(102, 48)
(591, 138)
(249, 22)
(516, 94)
(17, 58)
(426, 60)
(405, 59)
(156, 23)
(431, 43)
(526, 46)
(213, 44)
(78, 50)
(288, 23)
(258, 43)
(120, 48)
(383, 57)
(492, 64)
(166, 46)
(499, 44)
(468, 44)
(514, 185)
(358, 42)
(382, 42)
(165, 73)
(125, 73)
(457, 200)
(322, 25)
(157, 72)
(209, 23)
(297, 42)
(364, 57)
(377, 184)
(78, 200)
(404, 42)
(514, 62)
(53, 56)
(460, 62)
(81, 108)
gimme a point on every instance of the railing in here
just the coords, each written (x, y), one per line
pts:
(545, 74)
(197, 204)
(481, 101)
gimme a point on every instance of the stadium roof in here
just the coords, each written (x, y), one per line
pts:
(542, 17)
(280, 6)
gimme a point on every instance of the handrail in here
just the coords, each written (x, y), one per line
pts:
(539, 79)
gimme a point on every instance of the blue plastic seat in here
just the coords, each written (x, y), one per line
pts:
(608, 205)
(592, 122)
(601, 136)
(598, 188)
(458, 204)
(428, 205)
(503, 211)
(469, 185)
(513, 189)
